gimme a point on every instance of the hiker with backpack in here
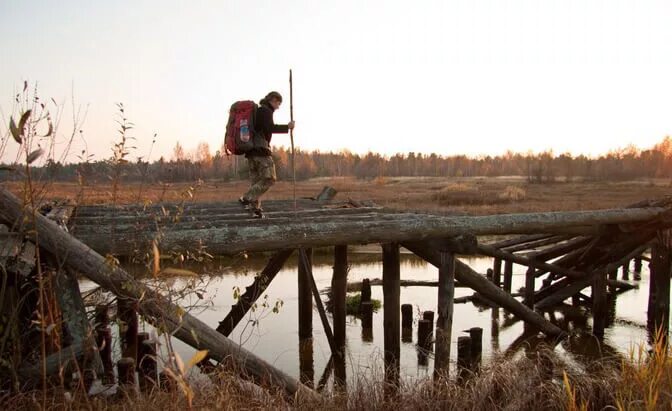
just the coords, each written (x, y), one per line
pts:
(249, 132)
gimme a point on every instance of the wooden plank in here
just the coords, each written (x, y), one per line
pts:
(155, 308)
(479, 283)
(304, 233)
(253, 292)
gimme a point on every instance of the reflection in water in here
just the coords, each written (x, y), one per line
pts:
(306, 365)
(273, 336)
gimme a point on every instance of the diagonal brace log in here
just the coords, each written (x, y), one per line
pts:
(479, 283)
(303, 260)
(518, 259)
(253, 292)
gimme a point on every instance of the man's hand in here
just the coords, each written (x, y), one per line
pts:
(290, 125)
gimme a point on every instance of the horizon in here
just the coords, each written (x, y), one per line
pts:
(472, 78)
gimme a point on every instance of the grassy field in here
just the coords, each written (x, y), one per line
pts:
(478, 195)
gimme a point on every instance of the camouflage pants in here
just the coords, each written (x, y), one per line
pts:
(262, 175)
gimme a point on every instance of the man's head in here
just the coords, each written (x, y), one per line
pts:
(274, 99)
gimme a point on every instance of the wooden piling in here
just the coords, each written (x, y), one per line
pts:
(305, 300)
(599, 295)
(306, 362)
(626, 271)
(660, 276)
(425, 334)
(366, 312)
(476, 335)
(339, 285)
(444, 322)
(497, 272)
(463, 357)
(127, 315)
(529, 287)
(104, 342)
(366, 291)
(406, 316)
(508, 276)
(147, 365)
(126, 373)
(391, 312)
(428, 315)
(638, 265)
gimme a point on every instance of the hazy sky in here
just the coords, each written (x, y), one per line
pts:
(390, 76)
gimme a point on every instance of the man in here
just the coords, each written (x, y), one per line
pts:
(259, 160)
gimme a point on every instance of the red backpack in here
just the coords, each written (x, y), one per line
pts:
(240, 127)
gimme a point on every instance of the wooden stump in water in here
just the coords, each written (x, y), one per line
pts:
(638, 265)
(599, 304)
(339, 284)
(463, 358)
(126, 374)
(367, 315)
(476, 335)
(508, 276)
(497, 272)
(406, 316)
(127, 315)
(626, 271)
(391, 312)
(305, 300)
(429, 316)
(659, 299)
(365, 295)
(147, 366)
(425, 334)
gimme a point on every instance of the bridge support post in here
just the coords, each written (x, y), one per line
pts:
(444, 322)
(391, 312)
(305, 299)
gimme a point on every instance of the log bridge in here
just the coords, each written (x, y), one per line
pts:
(564, 252)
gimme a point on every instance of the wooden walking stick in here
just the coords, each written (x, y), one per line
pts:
(291, 137)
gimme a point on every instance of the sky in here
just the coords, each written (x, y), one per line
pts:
(452, 77)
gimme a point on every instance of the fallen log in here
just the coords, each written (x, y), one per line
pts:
(153, 306)
(479, 283)
(392, 228)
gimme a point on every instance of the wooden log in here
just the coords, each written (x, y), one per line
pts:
(30, 374)
(638, 265)
(599, 295)
(625, 270)
(306, 362)
(305, 260)
(340, 377)
(339, 285)
(518, 259)
(535, 244)
(155, 308)
(479, 283)
(559, 249)
(425, 334)
(253, 292)
(147, 365)
(497, 272)
(661, 264)
(529, 287)
(508, 276)
(570, 288)
(428, 315)
(127, 315)
(365, 295)
(305, 300)
(126, 373)
(406, 316)
(366, 310)
(476, 335)
(327, 194)
(304, 233)
(510, 242)
(356, 286)
(328, 369)
(391, 312)
(463, 358)
(444, 322)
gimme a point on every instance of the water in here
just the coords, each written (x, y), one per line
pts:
(274, 337)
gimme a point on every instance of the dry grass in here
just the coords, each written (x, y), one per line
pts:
(536, 381)
(443, 195)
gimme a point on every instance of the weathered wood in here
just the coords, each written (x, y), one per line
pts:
(463, 357)
(519, 240)
(30, 374)
(366, 312)
(339, 285)
(155, 308)
(444, 322)
(508, 276)
(406, 316)
(570, 288)
(327, 194)
(477, 282)
(638, 265)
(559, 249)
(476, 334)
(307, 266)
(599, 295)
(126, 373)
(365, 295)
(356, 286)
(497, 272)
(529, 287)
(147, 365)
(625, 270)
(306, 362)
(127, 316)
(519, 259)
(302, 233)
(391, 312)
(425, 334)
(661, 264)
(253, 292)
(535, 244)
(305, 300)
(428, 315)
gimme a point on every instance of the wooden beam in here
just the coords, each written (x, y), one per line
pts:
(155, 307)
(391, 312)
(444, 322)
(479, 283)
(393, 228)
(253, 292)
(307, 266)
(305, 297)
(661, 264)
(339, 286)
(518, 259)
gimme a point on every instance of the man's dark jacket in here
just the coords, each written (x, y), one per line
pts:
(264, 128)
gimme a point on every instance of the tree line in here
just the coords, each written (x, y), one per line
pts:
(622, 164)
